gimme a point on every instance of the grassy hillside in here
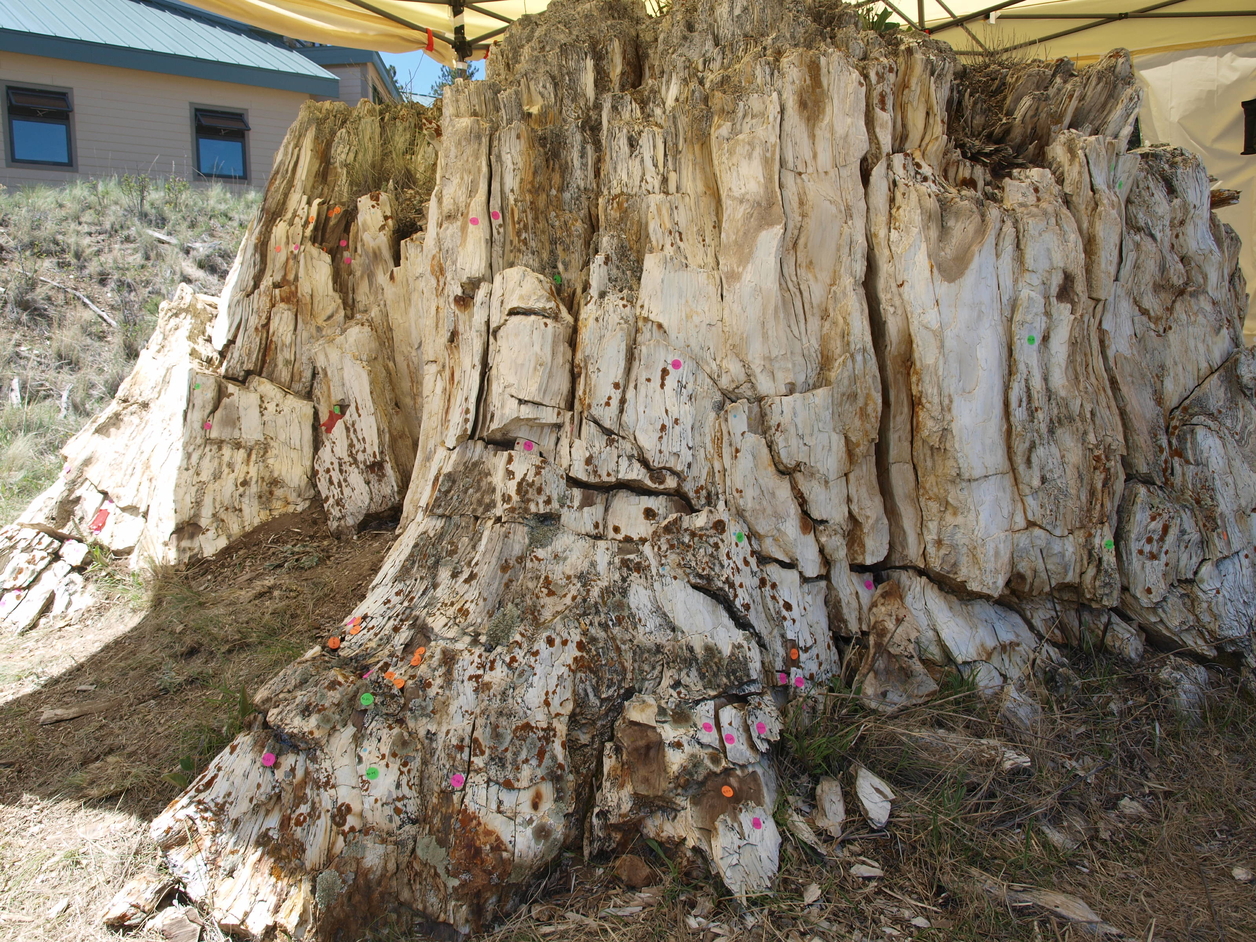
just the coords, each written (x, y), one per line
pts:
(124, 243)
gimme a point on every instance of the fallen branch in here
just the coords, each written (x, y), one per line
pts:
(82, 297)
(162, 236)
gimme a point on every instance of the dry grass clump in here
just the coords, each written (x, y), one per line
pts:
(92, 236)
(389, 148)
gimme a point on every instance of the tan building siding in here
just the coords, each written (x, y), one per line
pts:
(128, 121)
(356, 82)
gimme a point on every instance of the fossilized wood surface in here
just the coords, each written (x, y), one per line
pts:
(736, 344)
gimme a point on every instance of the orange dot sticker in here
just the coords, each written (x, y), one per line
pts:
(389, 675)
(418, 657)
(727, 791)
(355, 629)
(333, 643)
(399, 682)
(793, 654)
(336, 211)
(311, 219)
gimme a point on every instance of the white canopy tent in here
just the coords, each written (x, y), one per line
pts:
(1195, 58)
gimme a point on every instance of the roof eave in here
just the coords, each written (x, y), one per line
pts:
(144, 60)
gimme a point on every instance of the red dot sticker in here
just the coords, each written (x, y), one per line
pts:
(756, 823)
(761, 728)
(278, 248)
(457, 780)
(474, 220)
(708, 728)
(730, 738)
(676, 364)
(495, 214)
(268, 759)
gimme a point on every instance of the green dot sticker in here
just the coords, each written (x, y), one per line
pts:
(372, 773)
(1032, 340)
(336, 409)
(367, 699)
(197, 386)
(740, 536)
(1108, 544)
(558, 279)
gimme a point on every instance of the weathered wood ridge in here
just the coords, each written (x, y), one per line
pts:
(724, 354)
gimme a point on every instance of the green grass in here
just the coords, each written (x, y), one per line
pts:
(92, 236)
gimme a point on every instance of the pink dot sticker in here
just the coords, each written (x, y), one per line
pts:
(799, 683)
(268, 759)
(495, 214)
(708, 728)
(474, 220)
(676, 364)
(782, 678)
(457, 780)
(528, 446)
(761, 728)
(343, 243)
(730, 738)
(208, 425)
(348, 260)
(296, 248)
(867, 583)
(756, 823)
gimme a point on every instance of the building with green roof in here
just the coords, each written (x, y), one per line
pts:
(97, 87)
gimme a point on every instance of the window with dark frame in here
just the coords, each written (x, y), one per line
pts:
(39, 127)
(1249, 126)
(220, 144)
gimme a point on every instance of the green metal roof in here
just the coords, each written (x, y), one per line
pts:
(159, 36)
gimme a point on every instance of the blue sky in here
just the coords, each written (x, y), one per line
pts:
(418, 71)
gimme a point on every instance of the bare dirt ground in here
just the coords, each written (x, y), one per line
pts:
(1146, 817)
(168, 669)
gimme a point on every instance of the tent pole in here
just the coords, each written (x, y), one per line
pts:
(920, 14)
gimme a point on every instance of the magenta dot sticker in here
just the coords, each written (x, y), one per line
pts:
(761, 728)
(730, 738)
(867, 583)
(495, 214)
(676, 364)
(343, 243)
(348, 260)
(528, 446)
(208, 425)
(296, 248)
(782, 678)
(268, 759)
(756, 823)
(708, 728)
(474, 220)
(457, 780)
(799, 683)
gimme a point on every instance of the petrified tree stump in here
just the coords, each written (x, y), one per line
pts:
(731, 344)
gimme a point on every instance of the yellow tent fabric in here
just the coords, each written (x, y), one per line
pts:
(1083, 30)
(382, 25)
